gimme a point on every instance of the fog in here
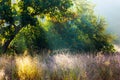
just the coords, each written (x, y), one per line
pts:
(110, 9)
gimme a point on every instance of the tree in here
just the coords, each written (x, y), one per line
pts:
(86, 32)
(17, 14)
(70, 24)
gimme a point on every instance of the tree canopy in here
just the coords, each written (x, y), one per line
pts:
(52, 24)
(16, 14)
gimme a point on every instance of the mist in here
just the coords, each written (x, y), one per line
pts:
(110, 10)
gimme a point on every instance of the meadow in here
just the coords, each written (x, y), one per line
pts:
(63, 65)
(27, 27)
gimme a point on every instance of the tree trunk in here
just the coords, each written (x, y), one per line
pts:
(7, 43)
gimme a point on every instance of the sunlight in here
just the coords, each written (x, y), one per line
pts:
(2, 74)
(28, 68)
(15, 1)
(59, 40)
(117, 48)
(64, 61)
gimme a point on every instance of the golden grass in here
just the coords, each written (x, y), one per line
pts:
(28, 68)
(2, 74)
(60, 67)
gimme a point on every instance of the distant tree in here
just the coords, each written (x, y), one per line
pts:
(17, 14)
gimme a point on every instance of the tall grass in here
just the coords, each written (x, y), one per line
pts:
(64, 66)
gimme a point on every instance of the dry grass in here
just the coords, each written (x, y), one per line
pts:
(28, 68)
(60, 67)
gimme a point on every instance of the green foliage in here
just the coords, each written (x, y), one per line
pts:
(52, 24)
(84, 33)
(81, 35)
(15, 15)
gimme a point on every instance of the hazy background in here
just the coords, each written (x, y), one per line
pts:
(110, 9)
